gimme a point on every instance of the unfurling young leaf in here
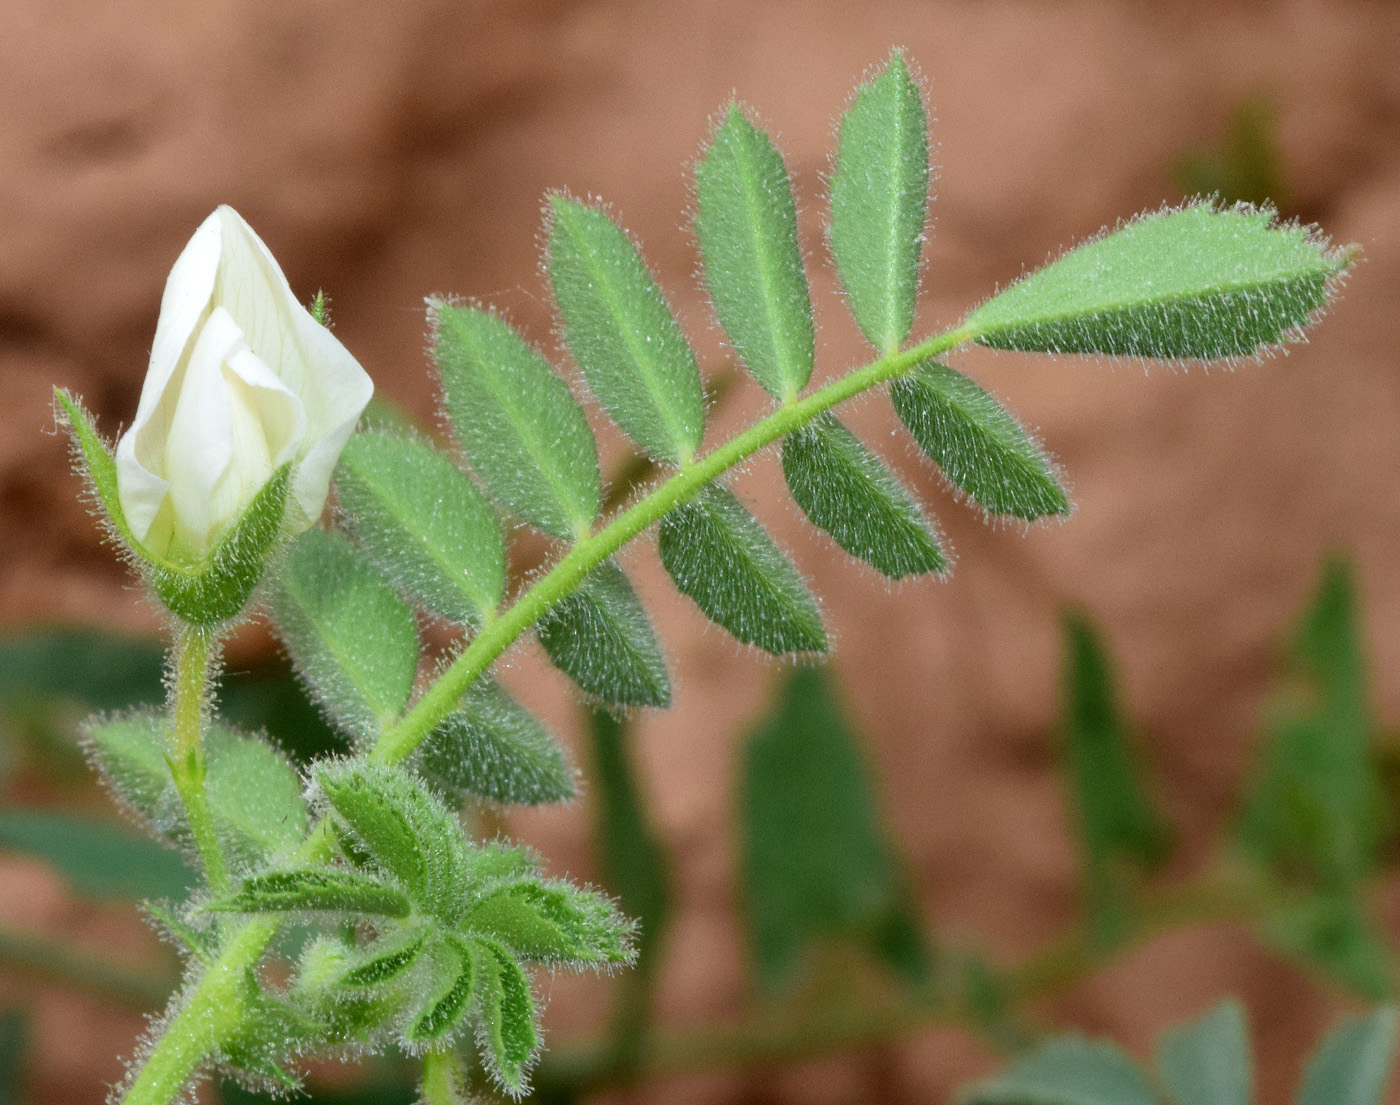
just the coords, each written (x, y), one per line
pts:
(506, 1009)
(1066, 1071)
(1121, 834)
(601, 638)
(520, 427)
(453, 970)
(492, 747)
(844, 489)
(817, 859)
(746, 223)
(385, 959)
(622, 334)
(424, 524)
(879, 203)
(1207, 1062)
(1352, 1065)
(319, 890)
(718, 554)
(407, 831)
(1194, 282)
(353, 640)
(977, 444)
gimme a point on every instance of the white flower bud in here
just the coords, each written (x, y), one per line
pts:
(242, 380)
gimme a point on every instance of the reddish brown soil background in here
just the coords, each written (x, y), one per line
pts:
(386, 151)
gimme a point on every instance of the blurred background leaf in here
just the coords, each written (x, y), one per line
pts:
(1244, 167)
(12, 1044)
(101, 858)
(817, 861)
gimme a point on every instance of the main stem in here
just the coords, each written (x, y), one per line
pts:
(210, 1008)
(195, 648)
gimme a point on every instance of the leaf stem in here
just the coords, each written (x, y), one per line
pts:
(399, 740)
(193, 661)
(443, 1083)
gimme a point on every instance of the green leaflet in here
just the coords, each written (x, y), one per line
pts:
(521, 428)
(446, 1004)
(408, 832)
(879, 203)
(492, 747)
(746, 223)
(1066, 1071)
(1207, 1062)
(601, 638)
(100, 858)
(424, 524)
(506, 1010)
(217, 588)
(386, 959)
(354, 641)
(718, 554)
(980, 447)
(552, 923)
(844, 489)
(1121, 834)
(622, 334)
(1353, 1064)
(1194, 282)
(321, 889)
(817, 861)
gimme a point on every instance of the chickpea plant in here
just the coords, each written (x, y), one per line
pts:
(427, 940)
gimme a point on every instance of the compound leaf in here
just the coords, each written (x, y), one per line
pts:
(844, 489)
(601, 638)
(1352, 1065)
(1207, 1062)
(354, 641)
(622, 334)
(718, 554)
(817, 861)
(519, 425)
(492, 747)
(879, 203)
(1066, 1071)
(979, 446)
(746, 223)
(424, 524)
(1194, 282)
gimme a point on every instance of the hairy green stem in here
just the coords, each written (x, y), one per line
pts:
(399, 741)
(443, 1082)
(194, 653)
(212, 1010)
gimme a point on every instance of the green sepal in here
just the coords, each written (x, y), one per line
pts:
(409, 833)
(505, 1008)
(601, 638)
(879, 203)
(520, 427)
(553, 922)
(979, 446)
(217, 588)
(424, 524)
(624, 337)
(1196, 282)
(746, 223)
(447, 1003)
(844, 489)
(316, 890)
(353, 640)
(719, 555)
(492, 747)
(386, 959)
(253, 791)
